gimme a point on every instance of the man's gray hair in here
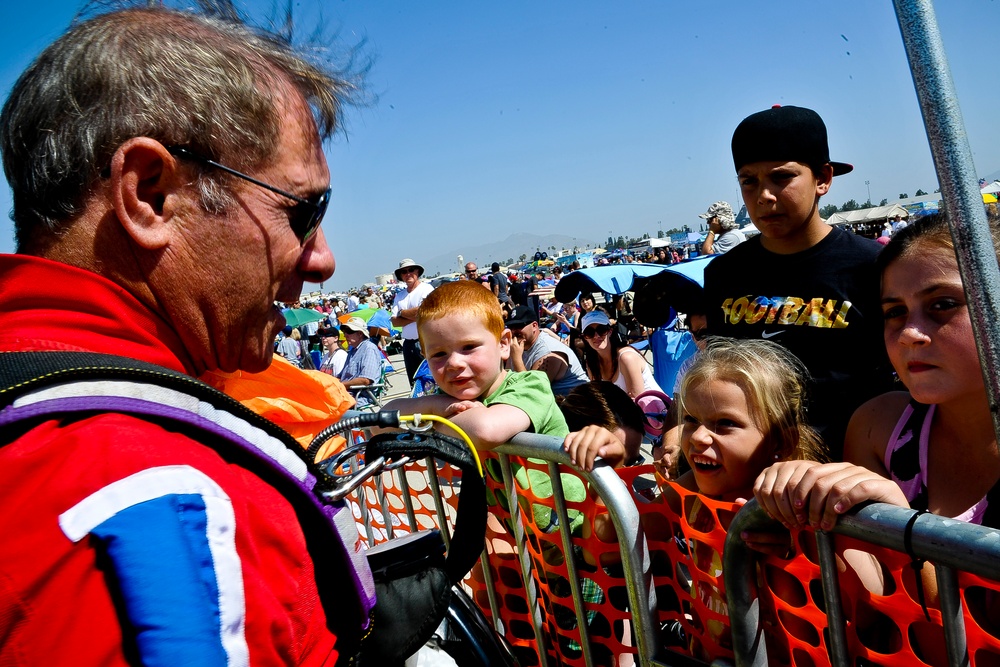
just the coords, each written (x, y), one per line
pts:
(207, 81)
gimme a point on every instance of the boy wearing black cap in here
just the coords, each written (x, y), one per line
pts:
(802, 283)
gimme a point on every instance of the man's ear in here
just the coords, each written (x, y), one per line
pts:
(143, 175)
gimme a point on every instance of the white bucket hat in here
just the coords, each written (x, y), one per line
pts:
(407, 263)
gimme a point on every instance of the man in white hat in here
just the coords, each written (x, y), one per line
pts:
(404, 312)
(364, 360)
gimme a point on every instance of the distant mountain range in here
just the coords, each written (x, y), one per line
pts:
(500, 251)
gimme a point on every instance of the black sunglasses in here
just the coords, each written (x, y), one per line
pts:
(596, 330)
(304, 218)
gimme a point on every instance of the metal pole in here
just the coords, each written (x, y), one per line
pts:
(963, 201)
(951, 615)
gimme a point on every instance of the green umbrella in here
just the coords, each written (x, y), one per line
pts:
(296, 317)
(378, 320)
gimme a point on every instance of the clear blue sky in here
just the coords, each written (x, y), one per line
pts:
(586, 117)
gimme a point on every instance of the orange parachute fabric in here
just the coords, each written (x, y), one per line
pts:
(301, 402)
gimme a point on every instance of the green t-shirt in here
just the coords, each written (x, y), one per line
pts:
(531, 392)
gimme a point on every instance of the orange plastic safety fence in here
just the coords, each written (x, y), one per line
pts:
(420, 493)
(603, 589)
(896, 629)
(882, 630)
(685, 533)
(508, 588)
(981, 603)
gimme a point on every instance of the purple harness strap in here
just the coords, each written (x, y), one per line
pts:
(339, 518)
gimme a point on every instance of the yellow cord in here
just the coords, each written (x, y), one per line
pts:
(462, 434)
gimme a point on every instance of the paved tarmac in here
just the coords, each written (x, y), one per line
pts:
(399, 386)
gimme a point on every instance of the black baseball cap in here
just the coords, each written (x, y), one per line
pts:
(784, 133)
(522, 316)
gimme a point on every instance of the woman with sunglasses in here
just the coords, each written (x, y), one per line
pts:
(607, 357)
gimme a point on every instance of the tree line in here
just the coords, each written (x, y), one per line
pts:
(851, 205)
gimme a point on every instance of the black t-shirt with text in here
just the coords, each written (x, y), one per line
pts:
(822, 304)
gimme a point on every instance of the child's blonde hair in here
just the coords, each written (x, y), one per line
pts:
(462, 296)
(774, 383)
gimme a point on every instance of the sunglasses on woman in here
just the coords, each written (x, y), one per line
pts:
(598, 330)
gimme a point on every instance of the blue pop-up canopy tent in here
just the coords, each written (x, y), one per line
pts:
(610, 279)
(660, 291)
(678, 287)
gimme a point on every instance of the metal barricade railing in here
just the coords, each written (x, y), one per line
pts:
(951, 546)
(414, 498)
(621, 509)
(422, 495)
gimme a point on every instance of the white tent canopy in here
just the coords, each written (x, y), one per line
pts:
(875, 214)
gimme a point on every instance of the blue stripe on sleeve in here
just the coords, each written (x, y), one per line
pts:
(163, 563)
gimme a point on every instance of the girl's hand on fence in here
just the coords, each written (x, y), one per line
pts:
(585, 445)
(805, 494)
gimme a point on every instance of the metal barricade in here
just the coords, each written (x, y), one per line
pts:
(422, 495)
(952, 546)
(634, 555)
(413, 498)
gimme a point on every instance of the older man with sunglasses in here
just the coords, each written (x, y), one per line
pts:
(168, 182)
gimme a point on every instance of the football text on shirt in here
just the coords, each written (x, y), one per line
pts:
(786, 310)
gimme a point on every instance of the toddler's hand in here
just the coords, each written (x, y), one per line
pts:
(592, 441)
(461, 406)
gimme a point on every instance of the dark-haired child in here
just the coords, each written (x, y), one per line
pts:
(804, 284)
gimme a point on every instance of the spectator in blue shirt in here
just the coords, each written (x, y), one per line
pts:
(364, 360)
